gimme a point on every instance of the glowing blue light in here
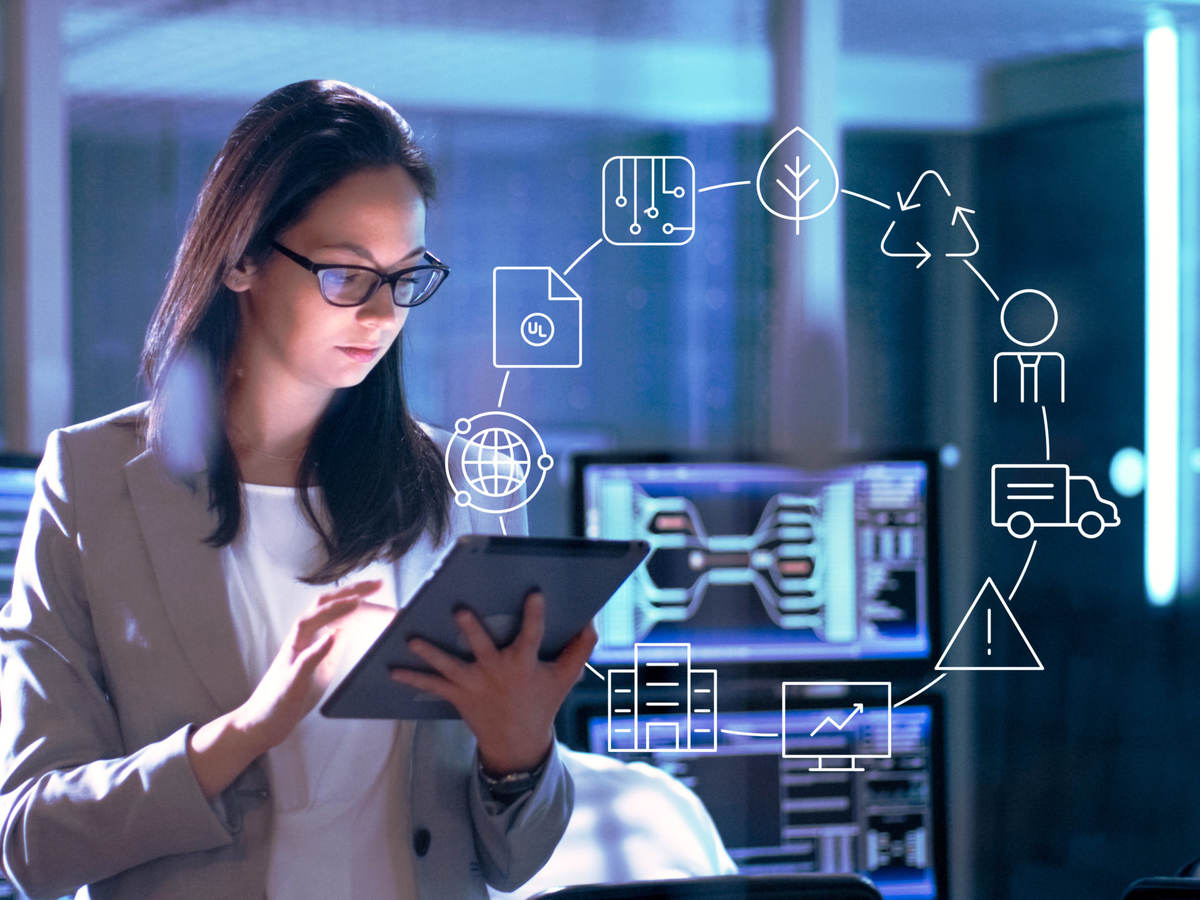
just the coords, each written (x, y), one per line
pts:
(1162, 310)
(950, 456)
(1127, 472)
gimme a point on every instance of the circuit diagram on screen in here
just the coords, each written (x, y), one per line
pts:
(779, 559)
(778, 571)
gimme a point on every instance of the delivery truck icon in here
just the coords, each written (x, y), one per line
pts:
(1025, 497)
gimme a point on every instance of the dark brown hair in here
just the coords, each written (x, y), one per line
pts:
(380, 474)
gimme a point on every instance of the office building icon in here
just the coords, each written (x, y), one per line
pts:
(662, 703)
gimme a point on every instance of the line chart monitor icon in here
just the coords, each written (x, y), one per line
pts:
(852, 722)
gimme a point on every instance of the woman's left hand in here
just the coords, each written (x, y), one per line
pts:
(508, 697)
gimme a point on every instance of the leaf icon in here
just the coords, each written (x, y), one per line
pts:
(794, 182)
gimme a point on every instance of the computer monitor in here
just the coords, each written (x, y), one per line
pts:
(776, 815)
(16, 493)
(760, 561)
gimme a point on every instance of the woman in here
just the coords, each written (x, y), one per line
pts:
(184, 596)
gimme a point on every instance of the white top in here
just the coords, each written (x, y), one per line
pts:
(339, 786)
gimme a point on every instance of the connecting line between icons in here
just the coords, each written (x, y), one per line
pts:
(995, 296)
(503, 527)
(772, 734)
(920, 692)
(865, 197)
(1046, 429)
(503, 385)
(717, 187)
(1024, 569)
(592, 669)
(568, 269)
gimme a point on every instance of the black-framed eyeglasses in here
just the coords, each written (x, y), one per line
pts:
(343, 285)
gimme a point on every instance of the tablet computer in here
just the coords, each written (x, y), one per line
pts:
(491, 576)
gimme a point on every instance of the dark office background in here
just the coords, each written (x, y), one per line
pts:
(1078, 779)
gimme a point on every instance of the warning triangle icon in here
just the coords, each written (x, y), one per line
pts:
(989, 638)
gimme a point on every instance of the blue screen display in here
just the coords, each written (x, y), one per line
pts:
(758, 562)
(776, 815)
(16, 492)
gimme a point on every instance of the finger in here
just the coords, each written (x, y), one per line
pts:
(451, 667)
(313, 654)
(308, 624)
(348, 590)
(533, 624)
(478, 639)
(358, 589)
(577, 651)
(323, 615)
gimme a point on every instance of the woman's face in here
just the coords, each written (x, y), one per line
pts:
(289, 333)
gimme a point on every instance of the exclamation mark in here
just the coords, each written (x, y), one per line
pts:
(989, 612)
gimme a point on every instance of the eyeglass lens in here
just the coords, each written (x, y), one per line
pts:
(350, 287)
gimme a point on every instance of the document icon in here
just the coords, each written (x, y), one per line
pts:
(535, 319)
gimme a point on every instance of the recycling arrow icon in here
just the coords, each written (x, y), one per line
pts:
(922, 253)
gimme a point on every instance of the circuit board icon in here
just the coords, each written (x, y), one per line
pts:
(648, 201)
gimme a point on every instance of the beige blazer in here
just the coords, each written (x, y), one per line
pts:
(118, 639)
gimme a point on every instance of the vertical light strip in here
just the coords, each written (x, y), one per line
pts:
(1162, 311)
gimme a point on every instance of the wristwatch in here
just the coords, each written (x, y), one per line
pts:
(513, 783)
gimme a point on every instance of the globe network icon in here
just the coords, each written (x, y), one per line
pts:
(496, 462)
(491, 457)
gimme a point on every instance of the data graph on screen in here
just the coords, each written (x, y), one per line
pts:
(760, 562)
(777, 816)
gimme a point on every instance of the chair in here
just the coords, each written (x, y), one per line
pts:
(631, 822)
(1163, 889)
(728, 887)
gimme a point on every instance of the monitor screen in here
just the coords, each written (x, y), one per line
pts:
(16, 493)
(766, 562)
(776, 814)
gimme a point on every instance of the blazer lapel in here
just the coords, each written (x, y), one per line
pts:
(191, 583)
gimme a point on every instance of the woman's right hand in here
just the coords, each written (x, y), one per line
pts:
(302, 669)
(220, 750)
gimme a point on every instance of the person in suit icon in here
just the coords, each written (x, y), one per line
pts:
(197, 569)
(1028, 363)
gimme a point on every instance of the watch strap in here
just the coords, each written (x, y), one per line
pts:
(512, 782)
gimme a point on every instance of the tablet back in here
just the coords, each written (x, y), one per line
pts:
(491, 576)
